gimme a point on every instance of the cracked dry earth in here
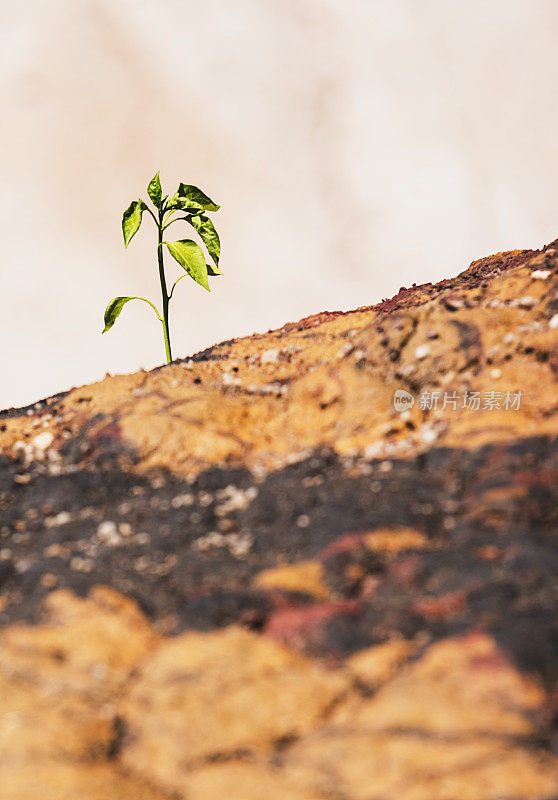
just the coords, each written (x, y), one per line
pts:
(247, 575)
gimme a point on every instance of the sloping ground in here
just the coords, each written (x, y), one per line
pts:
(251, 574)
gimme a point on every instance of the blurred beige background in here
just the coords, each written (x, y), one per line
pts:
(355, 146)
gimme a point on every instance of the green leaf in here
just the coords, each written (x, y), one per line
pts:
(192, 199)
(179, 204)
(212, 270)
(206, 230)
(154, 190)
(131, 220)
(112, 311)
(191, 258)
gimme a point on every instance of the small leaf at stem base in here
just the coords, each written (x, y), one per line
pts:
(112, 311)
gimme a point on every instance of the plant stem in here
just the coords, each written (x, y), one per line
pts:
(164, 293)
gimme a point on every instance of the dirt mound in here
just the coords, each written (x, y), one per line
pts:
(317, 563)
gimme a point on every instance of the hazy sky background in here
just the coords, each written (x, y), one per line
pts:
(355, 146)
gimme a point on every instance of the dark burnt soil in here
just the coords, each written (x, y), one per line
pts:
(48, 403)
(187, 552)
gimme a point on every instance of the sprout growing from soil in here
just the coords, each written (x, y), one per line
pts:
(195, 204)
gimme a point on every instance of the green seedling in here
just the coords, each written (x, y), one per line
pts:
(186, 252)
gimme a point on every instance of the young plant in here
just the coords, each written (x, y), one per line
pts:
(190, 256)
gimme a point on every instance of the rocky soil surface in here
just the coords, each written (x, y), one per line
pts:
(315, 564)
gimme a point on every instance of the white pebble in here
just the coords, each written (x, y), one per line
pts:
(125, 529)
(62, 518)
(345, 350)
(270, 356)
(43, 441)
(182, 500)
(240, 544)
(527, 302)
(108, 533)
(106, 528)
(230, 380)
(428, 435)
(79, 564)
(540, 274)
(422, 351)
(373, 450)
